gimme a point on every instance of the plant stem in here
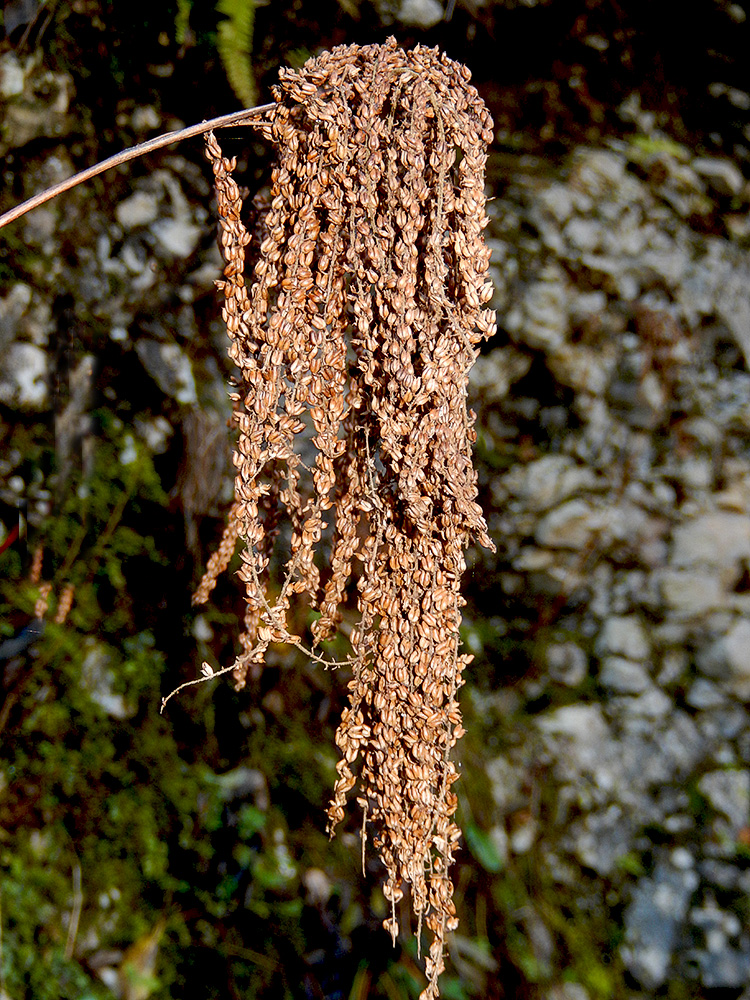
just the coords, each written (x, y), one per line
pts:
(159, 141)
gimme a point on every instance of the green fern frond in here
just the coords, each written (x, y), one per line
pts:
(182, 20)
(296, 58)
(235, 44)
(350, 7)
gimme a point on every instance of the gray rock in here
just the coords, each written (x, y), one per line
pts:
(729, 793)
(23, 377)
(674, 663)
(140, 209)
(177, 236)
(12, 75)
(505, 783)
(723, 175)
(623, 676)
(567, 664)
(170, 368)
(682, 859)
(12, 308)
(583, 368)
(583, 725)
(532, 559)
(242, 782)
(623, 636)
(691, 592)
(540, 939)
(98, 679)
(548, 481)
(640, 318)
(680, 748)
(541, 320)
(588, 306)
(600, 174)
(201, 629)
(583, 234)
(651, 704)
(721, 963)
(145, 117)
(134, 257)
(713, 539)
(602, 839)
(493, 374)
(154, 433)
(567, 991)
(319, 886)
(728, 658)
(697, 473)
(569, 526)
(732, 302)
(421, 13)
(524, 836)
(40, 108)
(705, 694)
(160, 204)
(719, 873)
(653, 922)
(557, 200)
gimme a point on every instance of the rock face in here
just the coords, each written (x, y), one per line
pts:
(144, 259)
(621, 511)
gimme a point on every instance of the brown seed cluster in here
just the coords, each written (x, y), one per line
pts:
(354, 311)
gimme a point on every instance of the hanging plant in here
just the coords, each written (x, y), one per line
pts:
(354, 319)
(355, 308)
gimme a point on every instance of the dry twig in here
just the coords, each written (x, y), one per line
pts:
(158, 142)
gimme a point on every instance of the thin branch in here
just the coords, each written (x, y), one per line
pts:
(158, 142)
(208, 674)
(75, 913)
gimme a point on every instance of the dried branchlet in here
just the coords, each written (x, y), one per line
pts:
(354, 320)
(45, 591)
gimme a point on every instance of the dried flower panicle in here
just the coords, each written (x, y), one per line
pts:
(354, 322)
(64, 604)
(42, 602)
(35, 573)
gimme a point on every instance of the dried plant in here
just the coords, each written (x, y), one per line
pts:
(354, 311)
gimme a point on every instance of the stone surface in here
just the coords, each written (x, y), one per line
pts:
(619, 464)
(170, 367)
(23, 377)
(624, 636)
(98, 680)
(141, 208)
(653, 922)
(713, 539)
(623, 675)
(548, 481)
(177, 236)
(421, 13)
(569, 526)
(567, 664)
(729, 793)
(722, 175)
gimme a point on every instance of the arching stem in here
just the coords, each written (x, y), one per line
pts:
(158, 142)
